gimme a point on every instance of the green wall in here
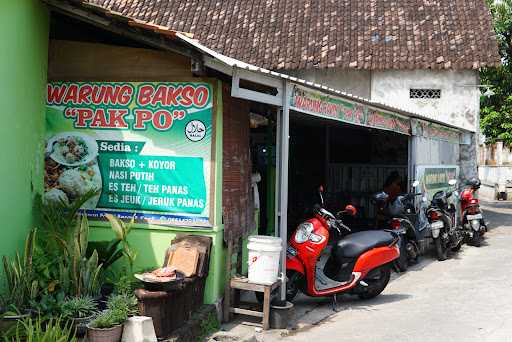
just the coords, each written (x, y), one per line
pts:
(151, 241)
(23, 62)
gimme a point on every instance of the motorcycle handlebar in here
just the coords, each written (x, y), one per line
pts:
(412, 195)
(340, 224)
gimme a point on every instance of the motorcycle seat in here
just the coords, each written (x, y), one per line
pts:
(354, 245)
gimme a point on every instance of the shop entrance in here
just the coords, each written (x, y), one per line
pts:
(351, 162)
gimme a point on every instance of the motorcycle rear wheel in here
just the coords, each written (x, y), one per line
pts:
(376, 284)
(476, 239)
(441, 250)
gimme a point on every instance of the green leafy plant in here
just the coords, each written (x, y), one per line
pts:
(124, 302)
(121, 230)
(37, 330)
(22, 288)
(48, 305)
(208, 326)
(124, 282)
(497, 124)
(60, 223)
(108, 251)
(496, 109)
(78, 307)
(109, 318)
(60, 263)
(79, 275)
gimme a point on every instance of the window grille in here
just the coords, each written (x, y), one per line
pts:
(425, 93)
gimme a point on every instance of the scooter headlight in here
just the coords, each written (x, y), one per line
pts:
(315, 238)
(304, 232)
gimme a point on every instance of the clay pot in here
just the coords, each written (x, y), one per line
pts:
(105, 335)
(7, 322)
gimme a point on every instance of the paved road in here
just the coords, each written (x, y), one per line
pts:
(467, 298)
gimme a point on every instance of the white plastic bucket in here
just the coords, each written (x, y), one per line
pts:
(264, 252)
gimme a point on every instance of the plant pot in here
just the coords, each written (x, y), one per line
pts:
(105, 291)
(101, 302)
(105, 335)
(281, 315)
(7, 322)
(80, 325)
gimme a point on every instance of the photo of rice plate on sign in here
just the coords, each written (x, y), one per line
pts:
(71, 169)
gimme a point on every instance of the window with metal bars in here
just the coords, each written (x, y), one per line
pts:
(424, 93)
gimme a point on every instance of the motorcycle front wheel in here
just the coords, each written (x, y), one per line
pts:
(293, 278)
(377, 281)
(441, 250)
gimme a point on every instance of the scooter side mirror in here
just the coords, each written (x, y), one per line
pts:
(452, 182)
(415, 184)
(351, 210)
(320, 193)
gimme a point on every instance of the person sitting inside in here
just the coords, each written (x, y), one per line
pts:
(393, 188)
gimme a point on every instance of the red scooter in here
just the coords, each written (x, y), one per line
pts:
(358, 263)
(471, 214)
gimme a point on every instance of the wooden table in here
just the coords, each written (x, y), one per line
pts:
(242, 283)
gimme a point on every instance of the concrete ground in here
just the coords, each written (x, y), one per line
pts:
(466, 298)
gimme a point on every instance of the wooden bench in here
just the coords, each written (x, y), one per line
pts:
(242, 283)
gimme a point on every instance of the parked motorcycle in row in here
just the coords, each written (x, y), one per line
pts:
(402, 216)
(357, 263)
(472, 219)
(442, 216)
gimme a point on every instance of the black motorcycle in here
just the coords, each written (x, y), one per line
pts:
(442, 217)
(401, 216)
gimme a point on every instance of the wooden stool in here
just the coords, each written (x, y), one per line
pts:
(242, 283)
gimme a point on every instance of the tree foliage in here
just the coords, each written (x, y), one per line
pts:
(496, 114)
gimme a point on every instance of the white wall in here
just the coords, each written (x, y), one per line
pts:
(355, 82)
(495, 174)
(459, 106)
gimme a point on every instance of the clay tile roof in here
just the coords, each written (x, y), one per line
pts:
(357, 34)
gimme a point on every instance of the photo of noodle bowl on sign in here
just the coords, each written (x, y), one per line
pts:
(144, 146)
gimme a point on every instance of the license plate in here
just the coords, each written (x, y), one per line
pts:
(437, 225)
(474, 217)
(291, 251)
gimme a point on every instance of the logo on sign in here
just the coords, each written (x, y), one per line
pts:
(195, 130)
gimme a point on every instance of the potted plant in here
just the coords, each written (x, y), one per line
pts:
(125, 302)
(79, 310)
(107, 326)
(37, 329)
(22, 287)
(10, 315)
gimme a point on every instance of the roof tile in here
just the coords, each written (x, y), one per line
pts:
(361, 34)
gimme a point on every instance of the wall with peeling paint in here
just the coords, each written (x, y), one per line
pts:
(23, 62)
(459, 104)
